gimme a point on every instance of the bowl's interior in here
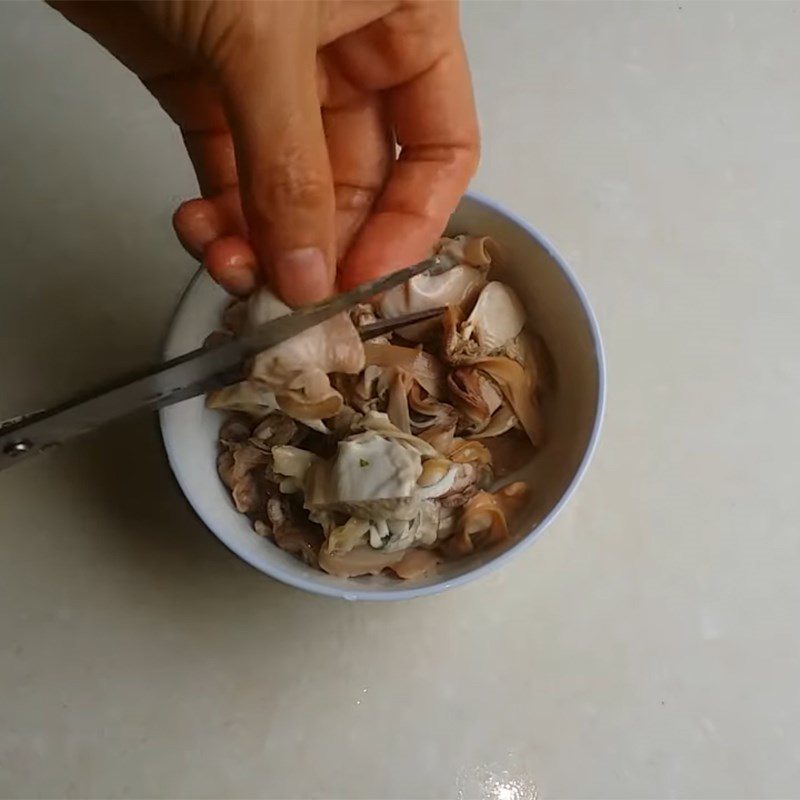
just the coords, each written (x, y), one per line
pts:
(556, 311)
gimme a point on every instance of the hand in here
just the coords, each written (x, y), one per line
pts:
(290, 111)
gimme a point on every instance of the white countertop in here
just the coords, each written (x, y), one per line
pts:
(647, 646)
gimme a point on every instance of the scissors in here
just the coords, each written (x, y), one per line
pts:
(197, 372)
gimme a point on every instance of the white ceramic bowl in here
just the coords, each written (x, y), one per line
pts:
(558, 310)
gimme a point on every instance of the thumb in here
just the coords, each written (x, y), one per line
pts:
(282, 160)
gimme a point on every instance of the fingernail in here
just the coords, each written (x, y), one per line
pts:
(301, 276)
(238, 281)
(231, 262)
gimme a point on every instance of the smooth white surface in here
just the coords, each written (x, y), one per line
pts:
(557, 310)
(647, 646)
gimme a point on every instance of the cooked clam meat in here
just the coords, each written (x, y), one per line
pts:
(362, 459)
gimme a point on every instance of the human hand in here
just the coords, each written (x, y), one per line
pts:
(290, 112)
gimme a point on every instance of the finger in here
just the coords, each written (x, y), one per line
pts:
(211, 228)
(360, 148)
(398, 47)
(202, 225)
(340, 17)
(206, 231)
(199, 221)
(231, 262)
(436, 126)
(284, 173)
(186, 93)
(194, 103)
(212, 156)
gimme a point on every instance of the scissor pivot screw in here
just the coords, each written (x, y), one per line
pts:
(17, 448)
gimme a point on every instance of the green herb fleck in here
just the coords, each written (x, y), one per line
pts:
(362, 462)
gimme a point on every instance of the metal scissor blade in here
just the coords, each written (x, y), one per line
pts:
(178, 379)
(383, 326)
(283, 328)
(188, 375)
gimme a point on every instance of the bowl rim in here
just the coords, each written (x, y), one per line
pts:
(402, 592)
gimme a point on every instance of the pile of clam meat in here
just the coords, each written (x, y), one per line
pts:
(365, 457)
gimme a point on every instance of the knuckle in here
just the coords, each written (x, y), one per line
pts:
(291, 186)
(350, 197)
